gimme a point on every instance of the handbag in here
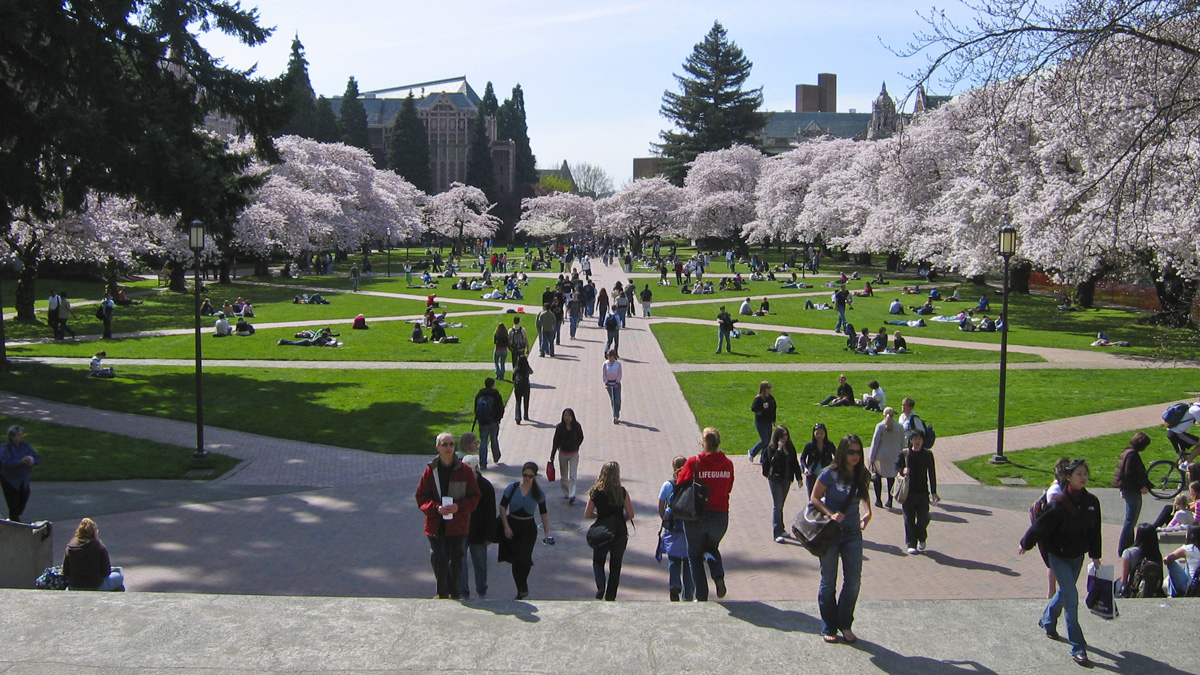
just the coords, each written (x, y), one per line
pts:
(815, 530)
(1101, 598)
(550, 471)
(690, 500)
(901, 488)
(604, 531)
(52, 579)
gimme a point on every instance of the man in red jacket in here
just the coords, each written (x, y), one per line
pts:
(447, 494)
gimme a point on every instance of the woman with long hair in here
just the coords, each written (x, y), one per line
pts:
(1133, 482)
(886, 446)
(763, 407)
(1070, 528)
(500, 354)
(780, 467)
(1144, 548)
(521, 373)
(568, 436)
(602, 306)
(610, 373)
(673, 541)
(610, 502)
(818, 454)
(917, 463)
(839, 491)
(715, 471)
(522, 500)
(86, 564)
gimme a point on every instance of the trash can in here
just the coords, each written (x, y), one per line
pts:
(25, 551)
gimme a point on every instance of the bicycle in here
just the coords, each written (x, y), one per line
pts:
(1167, 477)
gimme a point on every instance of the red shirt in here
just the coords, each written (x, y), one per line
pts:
(714, 470)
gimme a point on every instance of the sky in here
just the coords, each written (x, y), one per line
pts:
(593, 73)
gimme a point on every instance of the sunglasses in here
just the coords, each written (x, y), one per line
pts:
(449, 444)
(529, 475)
(854, 452)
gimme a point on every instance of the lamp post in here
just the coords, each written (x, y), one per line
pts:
(1007, 246)
(196, 243)
(389, 252)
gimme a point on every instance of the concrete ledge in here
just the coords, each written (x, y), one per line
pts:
(54, 632)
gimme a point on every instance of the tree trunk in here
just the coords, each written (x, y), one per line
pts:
(110, 277)
(978, 280)
(1176, 295)
(178, 278)
(864, 259)
(1018, 277)
(260, 267)
(223, 272)
(893, 262)
(3, 339)
(1085, 293)
(26, 291)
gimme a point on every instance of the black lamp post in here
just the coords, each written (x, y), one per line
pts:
(389, 252)
(1007, 247)
(196, 243)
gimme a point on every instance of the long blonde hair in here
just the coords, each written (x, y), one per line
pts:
(87, 530)
(608, 483)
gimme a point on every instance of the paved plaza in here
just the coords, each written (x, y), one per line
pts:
(297, 519)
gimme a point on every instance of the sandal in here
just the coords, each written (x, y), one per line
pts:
(830, 639)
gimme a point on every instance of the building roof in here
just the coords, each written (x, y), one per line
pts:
(383, 104)
(795, 125)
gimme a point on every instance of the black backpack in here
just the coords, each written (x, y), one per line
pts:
(611, 322)
(1146, 581)
(485, 411)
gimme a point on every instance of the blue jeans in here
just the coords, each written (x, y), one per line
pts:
(1066, 599)
(546, 342)
(681, 577)
(1133, 509)
(489, 432)
(499, 358)
(837, 611)
(614, 397)
(704, 536)
(475, 557)
(779, 494)
(574, 325)
(589, 309)
(723, 337)
(841, 318)
(621, 313)
(1178, 578)
(764, 437)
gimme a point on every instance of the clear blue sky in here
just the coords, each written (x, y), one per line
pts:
(593, 73)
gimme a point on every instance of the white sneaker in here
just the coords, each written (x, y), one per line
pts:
(921, 546)
(913, 551)
(779, 540)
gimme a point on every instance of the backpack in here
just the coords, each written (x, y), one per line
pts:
(100, 312)
(1175, 414)
(611, 322)
(485, 411)
(930, 436)
(517, 339)
(1035, 511)
(1146, 581)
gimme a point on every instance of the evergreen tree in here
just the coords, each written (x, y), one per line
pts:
(325, 126)
(510, 124)
(409, 152)
(712, 112)
(481, 170)
(299, 96)
(353, 122)
(490, 103)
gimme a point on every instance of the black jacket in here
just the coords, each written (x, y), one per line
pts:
(922, 472)
(763, 408)
(483, 518)
(497, 405)
(781, 464)
(1068, 527)
(1131, 472)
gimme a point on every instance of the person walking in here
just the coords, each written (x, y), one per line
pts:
(65, 314)
(105, 313)
(480, 533)
(52, 315)
(602, 306)
(521, 387)
(646, 296)
(521, 502)
(714, 470)
(609, 503)
(568, 436)
(17, 459)
(518, 341)
(610, 373)
(574, 312)
(500, 353)
(839, 492)
(672, 541)
(489, 410)
(840, 298)
(1069, 527)
(917, 463)
(886, 446)
(763, 407)
(354, 278)
(818, 454)
(547, 323)
(1132, 481)
(780, 467)
(447, 494)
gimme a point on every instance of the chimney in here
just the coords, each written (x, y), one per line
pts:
(827, 84)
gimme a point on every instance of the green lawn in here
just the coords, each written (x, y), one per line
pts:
(76, 290)
(955, 402)
(75, 454)
(388, 411)
(1036, 321)
(689, 343)
(1036, 466)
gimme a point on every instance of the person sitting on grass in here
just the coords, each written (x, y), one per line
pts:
(360, 323)
(783, 345)
(866, 292)
(206, 308)
(221, 327)
(745, 309)
(764, 308)
(248, 310)
(880, 342)
(124, 301)
(418, 335)
(935, 294)
(899, 344)
(965, 324)
(953, 297)
(879, 280)
(925, 309)
(875, 400)
(98, 370)
(896, 307)
(987, 325)
(865, 344)
(724, 286)
(243, 328)
(983, 305)
(843, 397)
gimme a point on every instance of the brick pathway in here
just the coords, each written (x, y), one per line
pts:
(359, 534)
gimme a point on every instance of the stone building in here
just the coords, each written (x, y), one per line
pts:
(448, 108)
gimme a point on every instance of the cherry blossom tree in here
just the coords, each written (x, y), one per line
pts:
(556, 215)
(719, 193)
(462, 212)
(641, 210)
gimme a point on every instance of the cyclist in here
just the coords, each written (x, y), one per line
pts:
(1181, 439)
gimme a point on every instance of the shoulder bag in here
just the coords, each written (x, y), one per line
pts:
(901, 493)
(815, 530)
(690, 500)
